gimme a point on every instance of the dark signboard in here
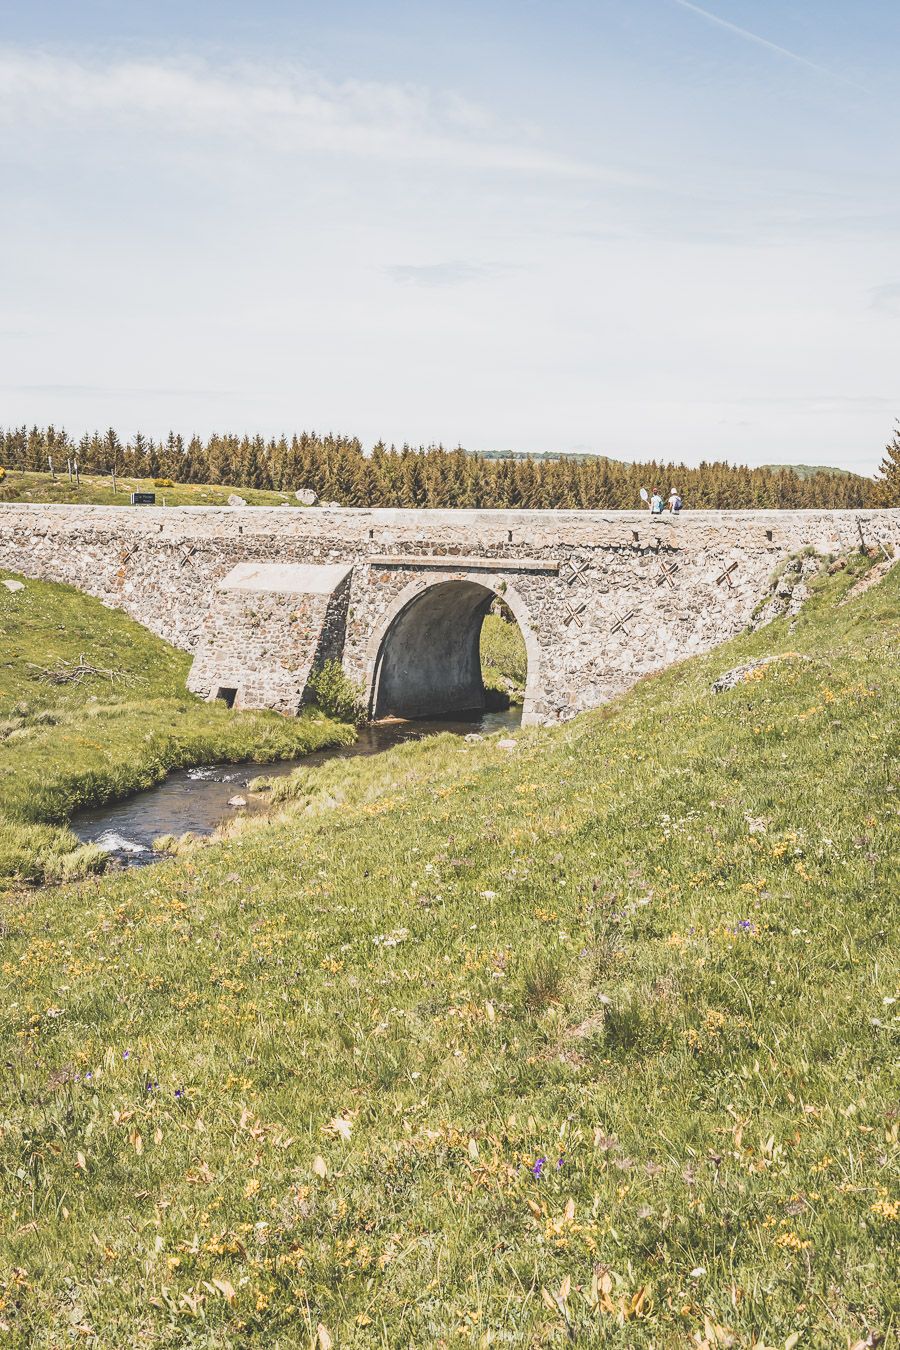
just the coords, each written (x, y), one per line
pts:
(143, 499)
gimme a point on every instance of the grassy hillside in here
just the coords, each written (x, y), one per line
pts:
(96, 490)
(585, 1043)
(100, 736)
(504, 661)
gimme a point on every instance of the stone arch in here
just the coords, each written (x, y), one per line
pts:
(423, 658)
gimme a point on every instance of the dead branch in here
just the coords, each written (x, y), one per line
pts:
(73, 672)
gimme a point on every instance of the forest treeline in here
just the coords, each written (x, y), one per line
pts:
(338, 470)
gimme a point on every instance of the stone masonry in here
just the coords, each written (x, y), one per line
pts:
(269, 625)
(260, 595)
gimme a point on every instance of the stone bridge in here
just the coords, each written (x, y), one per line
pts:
(261, 595)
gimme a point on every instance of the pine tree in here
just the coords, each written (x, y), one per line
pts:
(137, 453)
(35, 454)
(196, 468)
(111, 452)
(172, 459)
(889, 471)
(336, 468)
(218, 455)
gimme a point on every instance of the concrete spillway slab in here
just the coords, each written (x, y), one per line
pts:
(286, 578)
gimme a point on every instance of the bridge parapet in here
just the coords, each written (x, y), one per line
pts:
(602, 597)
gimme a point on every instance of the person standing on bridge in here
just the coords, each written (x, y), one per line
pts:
(656, 503)
(675, 502)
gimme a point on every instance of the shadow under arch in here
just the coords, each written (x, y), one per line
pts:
(425, 657)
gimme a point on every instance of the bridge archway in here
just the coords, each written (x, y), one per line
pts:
(425, 657)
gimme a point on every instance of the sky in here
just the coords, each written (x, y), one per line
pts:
(635, 227)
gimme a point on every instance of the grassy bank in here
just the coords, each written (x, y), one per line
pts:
(97, 490)
(109, 731)
(585, 1043)
(504, 663)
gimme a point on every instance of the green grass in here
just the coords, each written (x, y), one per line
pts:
(96, 490)
(504, 664)
(79, 744)
(586, 1043)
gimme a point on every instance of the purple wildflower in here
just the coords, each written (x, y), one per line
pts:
(538, 1167)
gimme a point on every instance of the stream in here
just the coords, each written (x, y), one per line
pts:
(198, 799)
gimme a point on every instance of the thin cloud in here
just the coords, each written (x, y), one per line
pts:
(812, 403)
(439, 274)
(116, 389)
(746, 34)
(288, 109)
(885, 297)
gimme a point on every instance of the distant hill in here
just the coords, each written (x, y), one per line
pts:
(810, 470)
(580, 456)
(577, 456)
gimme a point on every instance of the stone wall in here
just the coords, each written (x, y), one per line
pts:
(266, 628)
(602, 597)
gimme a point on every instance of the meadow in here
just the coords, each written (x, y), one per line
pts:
(591, 1041)
(97, 490)
(504, 662)
(92, 707)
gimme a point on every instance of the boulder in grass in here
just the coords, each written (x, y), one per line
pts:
(237, 801)
(739, 674)
(746, 673)
(306, 496)
(14, 585)
(235, 500)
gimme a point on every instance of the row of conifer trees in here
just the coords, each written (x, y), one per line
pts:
(337, 469)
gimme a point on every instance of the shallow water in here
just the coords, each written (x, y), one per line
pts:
(197, 799)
